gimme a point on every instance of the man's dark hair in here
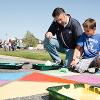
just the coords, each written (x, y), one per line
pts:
(57, 11)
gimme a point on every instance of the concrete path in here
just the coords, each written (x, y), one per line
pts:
(20, 59)
(11, 88)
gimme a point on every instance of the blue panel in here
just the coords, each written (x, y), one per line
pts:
(12, 76)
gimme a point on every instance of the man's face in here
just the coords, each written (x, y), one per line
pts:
(61, 19)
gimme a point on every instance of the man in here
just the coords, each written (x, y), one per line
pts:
(67, 30)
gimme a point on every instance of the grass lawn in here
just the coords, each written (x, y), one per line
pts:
(37, 55)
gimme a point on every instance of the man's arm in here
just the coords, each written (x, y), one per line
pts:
(77, 28)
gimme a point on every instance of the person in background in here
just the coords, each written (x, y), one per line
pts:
(61, 36)
(88, 47)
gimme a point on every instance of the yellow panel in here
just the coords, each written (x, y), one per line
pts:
(24, 88)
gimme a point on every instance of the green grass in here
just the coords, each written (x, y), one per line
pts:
(37, 55)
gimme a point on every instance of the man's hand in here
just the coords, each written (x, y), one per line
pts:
(49, 35)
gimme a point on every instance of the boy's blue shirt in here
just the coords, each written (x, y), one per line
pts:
(90, 45)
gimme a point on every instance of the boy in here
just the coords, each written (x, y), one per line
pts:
(88, 47)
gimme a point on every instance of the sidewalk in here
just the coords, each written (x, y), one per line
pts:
(26, 67)
(20, 59)
(12, 88)
(30, 84)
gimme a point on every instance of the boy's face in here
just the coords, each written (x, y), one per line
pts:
(89, 32)
(61, 19)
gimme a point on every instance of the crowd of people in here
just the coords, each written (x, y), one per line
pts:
(8, 45)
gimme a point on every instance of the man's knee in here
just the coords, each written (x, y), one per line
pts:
(50, 42)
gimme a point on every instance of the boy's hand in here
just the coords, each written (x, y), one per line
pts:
(74, 62)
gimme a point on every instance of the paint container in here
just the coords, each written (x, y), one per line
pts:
(11, 65)
(45, 67)
(74, 92)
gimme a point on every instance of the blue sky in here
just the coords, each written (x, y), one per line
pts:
(19, 16)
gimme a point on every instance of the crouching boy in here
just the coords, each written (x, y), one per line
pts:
(88, 47)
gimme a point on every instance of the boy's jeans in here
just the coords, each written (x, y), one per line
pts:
(83, 64)
(53, 47)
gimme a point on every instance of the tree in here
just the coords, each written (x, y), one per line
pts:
(30, 40)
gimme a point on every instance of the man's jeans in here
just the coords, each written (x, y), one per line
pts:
(53, 47)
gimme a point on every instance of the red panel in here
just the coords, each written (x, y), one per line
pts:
(38, 77)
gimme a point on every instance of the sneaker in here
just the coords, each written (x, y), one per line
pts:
(59, 63)
(92, 70)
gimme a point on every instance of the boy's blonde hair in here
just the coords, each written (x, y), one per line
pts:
(89, 23)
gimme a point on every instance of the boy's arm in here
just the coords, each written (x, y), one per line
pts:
(77, 54)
